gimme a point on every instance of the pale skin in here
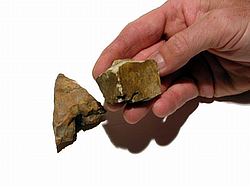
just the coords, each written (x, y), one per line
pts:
(215, 32)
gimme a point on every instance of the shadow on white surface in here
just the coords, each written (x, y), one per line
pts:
(136, 138)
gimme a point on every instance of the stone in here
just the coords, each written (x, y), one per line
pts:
(130, 81)
(74, 110)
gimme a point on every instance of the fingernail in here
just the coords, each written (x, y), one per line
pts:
(159, 60)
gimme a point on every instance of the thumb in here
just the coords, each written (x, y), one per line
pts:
(204, 34)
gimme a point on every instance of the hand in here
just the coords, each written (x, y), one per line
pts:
(216, 33)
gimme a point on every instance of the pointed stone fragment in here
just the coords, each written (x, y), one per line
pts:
(74, 110)
(130, 81)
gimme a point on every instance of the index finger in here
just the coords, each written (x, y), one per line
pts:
(136, 36)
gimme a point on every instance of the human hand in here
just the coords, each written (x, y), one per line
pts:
(216, 32)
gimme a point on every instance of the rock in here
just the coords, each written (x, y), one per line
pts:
(130, 81)
(74, 110)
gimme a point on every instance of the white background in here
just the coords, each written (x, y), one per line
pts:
(39, 39)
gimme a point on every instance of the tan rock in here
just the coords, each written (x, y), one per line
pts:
(74, 110)
(130, 81)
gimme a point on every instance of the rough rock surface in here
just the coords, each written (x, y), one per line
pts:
(74, 110)
(130, 81)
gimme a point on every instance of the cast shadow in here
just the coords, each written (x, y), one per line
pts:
(243, 99)
(135, 138)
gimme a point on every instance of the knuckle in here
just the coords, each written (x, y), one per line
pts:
(219, 17)
(130, 28)
(179, 44)
(125, 35)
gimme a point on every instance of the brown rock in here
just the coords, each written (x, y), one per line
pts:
(74, 110)
(130, 81)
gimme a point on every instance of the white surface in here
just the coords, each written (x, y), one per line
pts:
(39, 39)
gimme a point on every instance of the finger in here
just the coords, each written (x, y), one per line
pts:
(175, 97)
(145, 53)
(133, 113)
(136, 36)
(210, 31)
(202, 76)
